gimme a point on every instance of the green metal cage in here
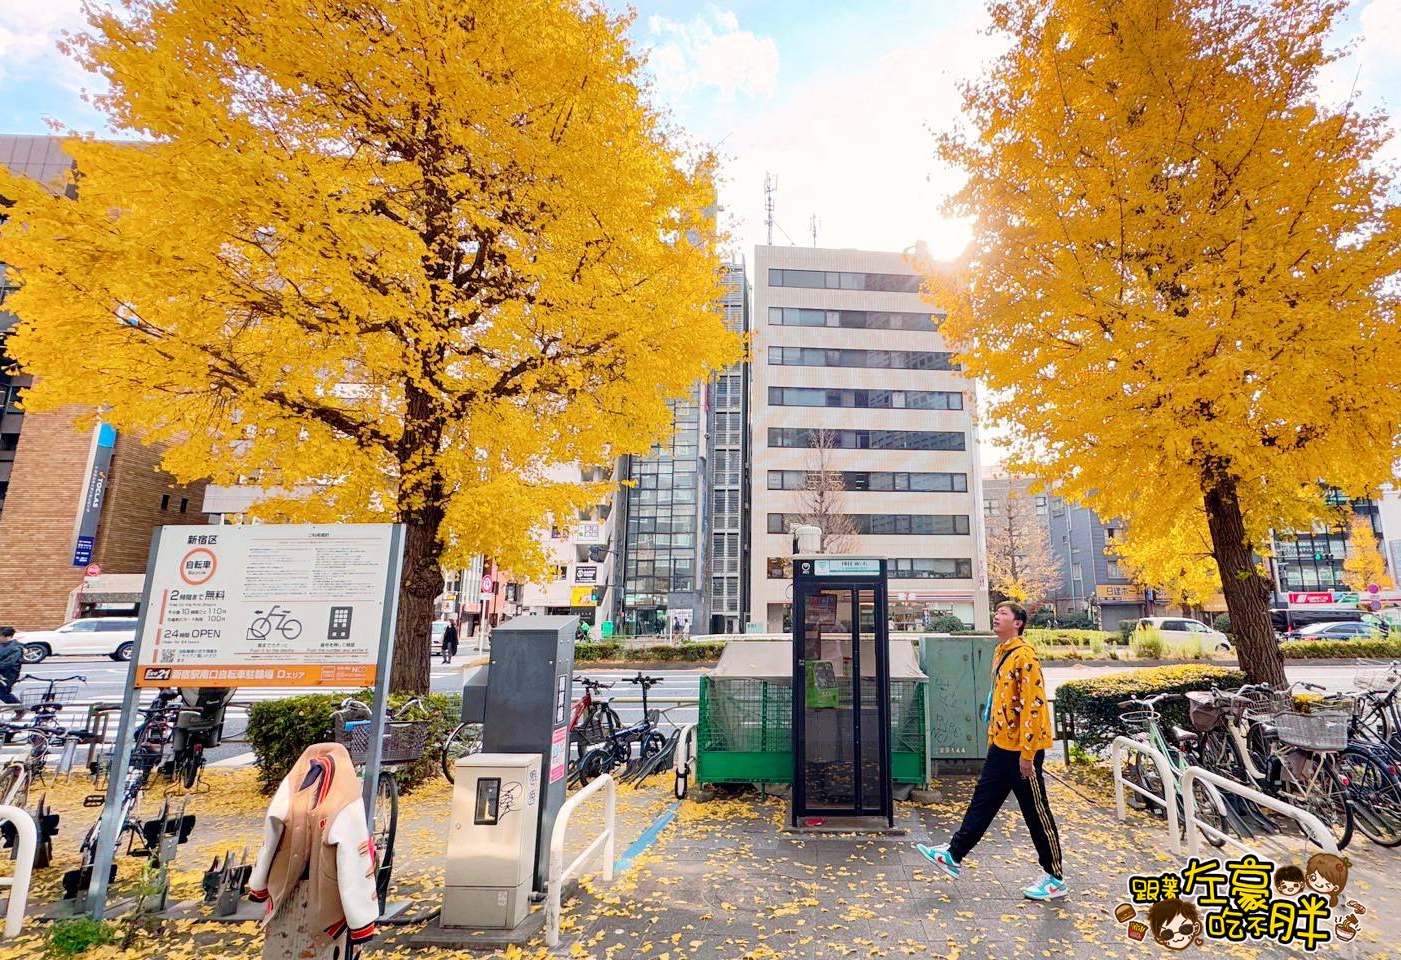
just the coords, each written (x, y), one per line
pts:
(744, 733)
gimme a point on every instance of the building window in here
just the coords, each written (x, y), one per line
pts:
(780, 568)
(561, 572)
(165, 502)
(1115, 571)
(873, 359)
(851, 319)
(1040, 506)
(844, 280)
(805, 438)
(184, 504)
(886, 524)
(930, 568)
(863, 480)
(990, 506)
(866, 399)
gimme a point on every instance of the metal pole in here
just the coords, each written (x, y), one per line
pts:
(383, 665)
(108, 826)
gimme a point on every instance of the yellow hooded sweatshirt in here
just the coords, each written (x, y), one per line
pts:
(1020, 718)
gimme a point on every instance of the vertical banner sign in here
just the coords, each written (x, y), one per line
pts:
(90, 511)
(265, 606)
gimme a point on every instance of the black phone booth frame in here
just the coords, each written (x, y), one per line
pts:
(831, 737)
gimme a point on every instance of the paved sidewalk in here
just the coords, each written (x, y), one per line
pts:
(724, 883)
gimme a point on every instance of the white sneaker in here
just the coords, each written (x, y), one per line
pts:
(1049, 888)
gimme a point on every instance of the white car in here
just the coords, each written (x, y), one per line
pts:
(1181, 628)
(88, 636)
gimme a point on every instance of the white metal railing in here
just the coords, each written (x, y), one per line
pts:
(684, 762)
(1169, 798)
(1308, 821)
(559, 874)
(26, 838)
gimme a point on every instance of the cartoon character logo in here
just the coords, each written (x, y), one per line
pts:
(1326, 874)
(1289, 881)
(1346, 928)
(1175, 923)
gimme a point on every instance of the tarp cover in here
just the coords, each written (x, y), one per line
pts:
(773, 660)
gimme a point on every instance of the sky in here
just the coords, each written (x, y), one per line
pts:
(839, 102)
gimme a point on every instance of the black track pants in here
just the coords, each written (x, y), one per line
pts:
(1001, 776)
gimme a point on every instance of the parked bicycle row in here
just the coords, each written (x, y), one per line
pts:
(1337, 756)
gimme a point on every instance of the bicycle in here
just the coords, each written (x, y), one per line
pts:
(1142, 717)
(616, 747)
(263, 626)
(403, 742)
(199, 726)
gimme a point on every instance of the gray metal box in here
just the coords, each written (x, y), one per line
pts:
(529, 694)
(474, 696)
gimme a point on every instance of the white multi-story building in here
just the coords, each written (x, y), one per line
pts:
(580, 549)
(847, 356)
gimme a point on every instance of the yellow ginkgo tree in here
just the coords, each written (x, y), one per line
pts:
(395, 256)
(1364, 566)
(1182, 284)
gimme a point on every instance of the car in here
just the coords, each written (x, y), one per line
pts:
(1183, 628)
(1337, 630)
(114, 637)
(1288, 619)
(435, 641)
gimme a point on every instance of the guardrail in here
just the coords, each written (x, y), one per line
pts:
(684, 759)
(559, 874)
(1169, 798)
(1308, 821)
(26, 838)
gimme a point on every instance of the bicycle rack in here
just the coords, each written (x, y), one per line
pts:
(560, 875)
(684, 761)
(1308, 821)
(18, 882)
(1169, 798)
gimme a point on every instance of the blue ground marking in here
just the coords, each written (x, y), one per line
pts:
(648, 836)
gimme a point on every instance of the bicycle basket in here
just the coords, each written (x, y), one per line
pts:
(1204, 710)
(596, 727)
(1266, 704)
(1139, 721)
(1377, 681)
(403, 741)
(61, 693)
(1313, 731)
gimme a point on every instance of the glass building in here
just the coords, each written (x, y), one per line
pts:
(727, 417)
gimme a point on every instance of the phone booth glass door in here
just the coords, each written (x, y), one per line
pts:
(843, 722)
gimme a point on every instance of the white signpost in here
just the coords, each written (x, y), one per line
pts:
(306, 605)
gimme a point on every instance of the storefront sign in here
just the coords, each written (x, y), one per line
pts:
(1304, 599)
(582, 597)
(1119, 592)
(90, 511)
(589, 532)
(584, 574)
(854, 568)
(266, 605)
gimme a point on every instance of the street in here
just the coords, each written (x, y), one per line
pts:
(676, 695)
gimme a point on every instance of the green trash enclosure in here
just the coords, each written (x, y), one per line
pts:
(745, 730)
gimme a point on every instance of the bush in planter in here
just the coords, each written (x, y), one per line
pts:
(1126, 630)
(1147, 644)
(1341, 649)
(608, 650)
(1095, 701)
(1067, 638)
(1222, 623)
(946, 623)
(279, 730)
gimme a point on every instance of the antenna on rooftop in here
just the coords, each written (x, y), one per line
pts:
(812, 225)
(770, 189)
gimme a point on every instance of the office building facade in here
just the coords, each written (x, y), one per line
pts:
(852, 386)
(727, 476)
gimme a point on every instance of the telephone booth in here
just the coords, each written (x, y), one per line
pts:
(841, 689)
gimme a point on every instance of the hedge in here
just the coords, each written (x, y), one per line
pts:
(1069, 638)
(685, 652)
(279, 730)
(1340, 649)
(1095, 701)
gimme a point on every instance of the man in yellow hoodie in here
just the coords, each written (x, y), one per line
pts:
(1019, 731)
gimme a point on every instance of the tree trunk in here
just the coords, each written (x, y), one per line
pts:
(1247, 592)
(419, 584)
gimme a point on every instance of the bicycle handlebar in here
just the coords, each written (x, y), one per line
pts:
(644, 681)
(592, 684)
(1149, 703)
(30, 676)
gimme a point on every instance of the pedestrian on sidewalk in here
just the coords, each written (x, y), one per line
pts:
(11, 663)
(1019, 731)
(449, 643)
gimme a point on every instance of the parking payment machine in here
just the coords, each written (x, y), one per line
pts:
(841, 689)
(491, 840)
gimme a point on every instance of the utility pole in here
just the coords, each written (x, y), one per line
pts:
(770, 189)
(812, 225)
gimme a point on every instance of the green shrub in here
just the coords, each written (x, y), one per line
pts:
(1222, 623)
(1147, 644)
(683, 652)
(1126, 629)
(1067, 638)
(1184, 648)
(584, 652)
(1095, 701)
(75, 935)
(279, 730)
(946, 623)
(1340, 649)
(1076, 620)
(1097, 647)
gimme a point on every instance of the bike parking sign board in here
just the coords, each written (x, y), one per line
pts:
(265, 605)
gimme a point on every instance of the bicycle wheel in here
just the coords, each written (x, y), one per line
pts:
(1375, 793)
(12, 784)
(190, 765)
(1327, 799)
(384, 825)
(595, 763)
(1206, 811)
(464, 741)
(1144, 772)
